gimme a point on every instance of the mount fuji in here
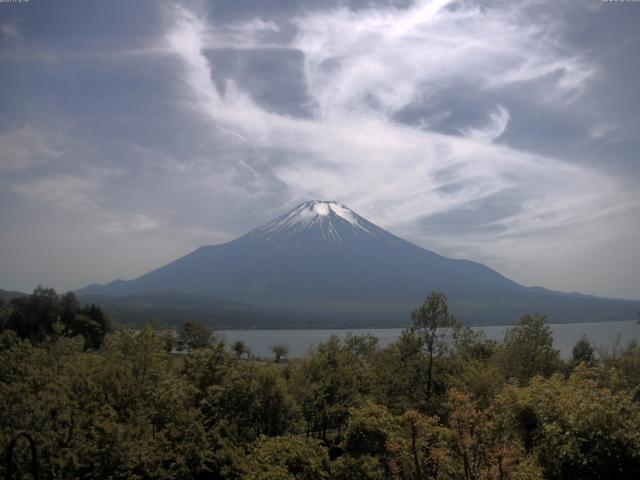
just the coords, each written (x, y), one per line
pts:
(322, 260)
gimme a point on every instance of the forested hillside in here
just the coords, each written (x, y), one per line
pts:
(123, 406)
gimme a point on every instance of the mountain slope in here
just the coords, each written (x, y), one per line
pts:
(322, 257)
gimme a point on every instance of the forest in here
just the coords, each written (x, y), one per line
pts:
(441, 402)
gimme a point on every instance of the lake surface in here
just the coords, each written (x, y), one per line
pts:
(565, 336)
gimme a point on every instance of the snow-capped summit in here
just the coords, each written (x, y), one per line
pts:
(318, 220)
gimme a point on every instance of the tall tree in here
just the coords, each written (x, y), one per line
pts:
(583, 352)
(280, 350)
(193, 335)
(528, 350)
(429, 322)
(34, 317)
(69, 309)
(240, 348)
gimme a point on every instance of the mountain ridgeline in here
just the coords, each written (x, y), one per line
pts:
(323, 264)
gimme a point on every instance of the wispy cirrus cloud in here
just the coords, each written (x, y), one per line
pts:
(69, 192)
(494, 130)
(362, 68)
(27, 146)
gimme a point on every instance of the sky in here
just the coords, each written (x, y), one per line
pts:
(504, 132)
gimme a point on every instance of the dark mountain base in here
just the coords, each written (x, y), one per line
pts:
(174, 308)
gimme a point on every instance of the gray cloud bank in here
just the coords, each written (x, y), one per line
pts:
(497, 131)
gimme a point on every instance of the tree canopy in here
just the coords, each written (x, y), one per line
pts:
(124, 406)
(44, 314)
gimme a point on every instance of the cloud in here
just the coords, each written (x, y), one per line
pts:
(69, 193)
(466, 127)
(388, 58)
(137, 223)
(28, 146)
(11, 30)
(605, 132)
(360, 70)
(493, 129)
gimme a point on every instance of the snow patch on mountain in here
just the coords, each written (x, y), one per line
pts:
(349, 215)
(321, 208)
(324, 216)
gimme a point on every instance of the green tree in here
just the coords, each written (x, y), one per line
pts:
(473, 366)
(122, 413)
(93, 324)
(480, 444)
(250, 400)
(43, 314)
(240, 348)
(583, 352)
(69, 309)
(429, 322)
(365, 345)
(361, 467)
(35, 316)
(419, 453)
(328, 383)
(207, 366)
(576, 427)
(366, 441)
(623, 368)
(469, 344)
(528, 350)
(193, 335)
(399, 374)
(5, 312)
(287, 458)
(280, 350)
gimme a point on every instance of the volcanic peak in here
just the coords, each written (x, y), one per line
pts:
(326, 216)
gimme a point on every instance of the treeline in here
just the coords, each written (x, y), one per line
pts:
(44, 315)
(441, 402)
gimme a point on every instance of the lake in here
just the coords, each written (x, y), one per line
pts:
(601, 334)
